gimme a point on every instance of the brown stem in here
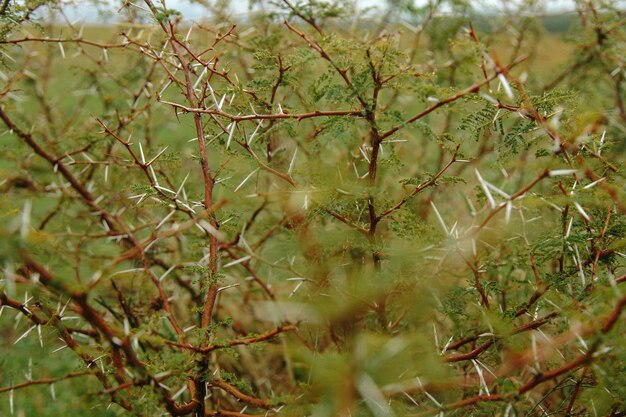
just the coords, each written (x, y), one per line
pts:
(248, 399)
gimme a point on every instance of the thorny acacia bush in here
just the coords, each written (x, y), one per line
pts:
(309, 213)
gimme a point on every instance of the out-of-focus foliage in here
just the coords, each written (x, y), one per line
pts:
(317, 208)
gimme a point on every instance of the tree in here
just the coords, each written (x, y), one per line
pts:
(313, 210)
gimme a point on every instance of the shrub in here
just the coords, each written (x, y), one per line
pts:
(315, 211)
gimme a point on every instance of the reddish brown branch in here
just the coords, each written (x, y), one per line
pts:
(45, 381)
(246, 341)
(248, 399)
(276, 116)
(470, 90)
(421, 187)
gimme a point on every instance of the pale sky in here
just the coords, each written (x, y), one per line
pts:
(83, 10)
(241, 6)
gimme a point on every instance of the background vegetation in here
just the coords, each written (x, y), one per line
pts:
(317, 209)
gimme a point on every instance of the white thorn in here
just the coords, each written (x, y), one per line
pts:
(245, 179)
(293, 160)
(443, 224)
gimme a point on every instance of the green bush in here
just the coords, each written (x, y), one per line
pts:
(318, 208)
